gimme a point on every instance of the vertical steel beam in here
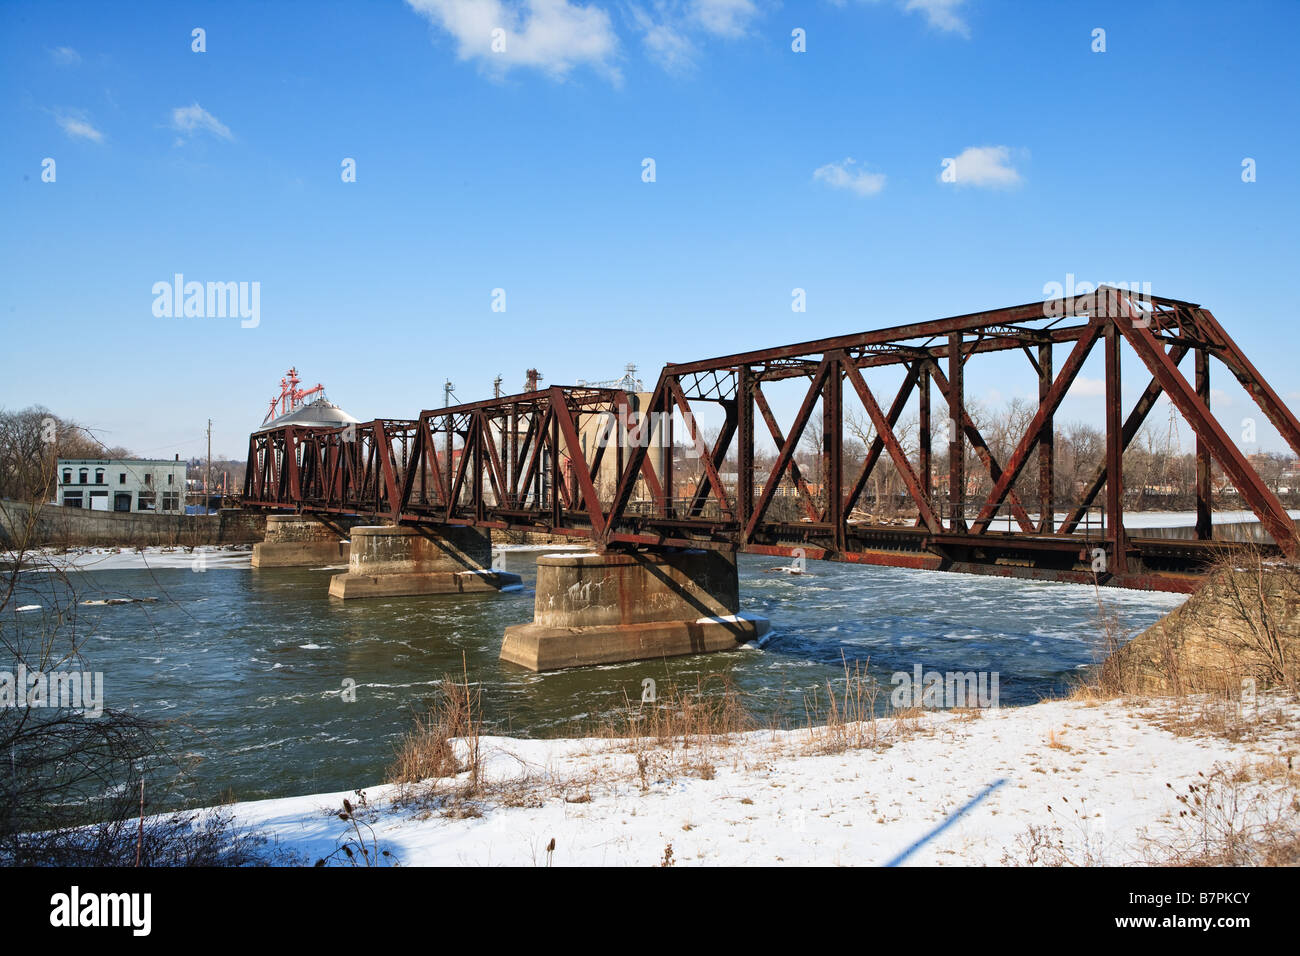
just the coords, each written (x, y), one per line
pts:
(1204, 491)
(557, 478)
(666, 438)
(744, 450)
(832, 453)
(956, 435)
(923, 435)
(1046, 447)
(1114, 454)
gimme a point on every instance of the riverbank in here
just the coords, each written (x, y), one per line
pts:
(1073, 782)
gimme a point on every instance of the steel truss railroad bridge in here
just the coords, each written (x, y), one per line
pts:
(527, 462)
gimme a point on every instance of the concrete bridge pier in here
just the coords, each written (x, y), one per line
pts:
(295, 541)
(625, 606)
(391, 561)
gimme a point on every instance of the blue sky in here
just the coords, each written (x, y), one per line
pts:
(522, 170)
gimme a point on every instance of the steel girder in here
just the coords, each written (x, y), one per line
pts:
(577, 461)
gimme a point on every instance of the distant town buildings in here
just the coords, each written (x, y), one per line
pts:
(122, 484)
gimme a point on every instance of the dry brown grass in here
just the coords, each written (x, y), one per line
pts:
(1244, 636)
(1225, 716)
(692, 732)
(428, 754)
(1247, 815)
(847, 720)
(1243, 815)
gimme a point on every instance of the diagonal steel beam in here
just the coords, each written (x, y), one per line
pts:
(1261, 499)
(984, 453)
(795, 474)
(786, 454)
(705, 456)
(885, 431)
(1069, 371)
(877, 443)
(1132, 425)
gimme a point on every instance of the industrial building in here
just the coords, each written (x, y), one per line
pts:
(122, 484)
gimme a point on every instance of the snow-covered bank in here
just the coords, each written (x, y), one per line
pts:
(1088, 782)
(209, 557)
(206, 557)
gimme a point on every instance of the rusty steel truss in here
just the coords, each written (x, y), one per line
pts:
(586, 463)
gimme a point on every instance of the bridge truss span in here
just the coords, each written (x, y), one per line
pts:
(710, 458)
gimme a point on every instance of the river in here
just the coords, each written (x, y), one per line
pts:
(249, 666)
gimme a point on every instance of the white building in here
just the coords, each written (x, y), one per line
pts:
(122, 484)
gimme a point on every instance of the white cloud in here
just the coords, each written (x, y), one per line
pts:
(673, 29)
(194, 118)
(553, 36)
(1084, 387)
(844, 175)
(79, 129)
(728, 18)
(941, 14)
(988, 166)
(65, 56)
(667, 45)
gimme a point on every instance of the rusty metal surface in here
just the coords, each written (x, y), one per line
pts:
(577, 461)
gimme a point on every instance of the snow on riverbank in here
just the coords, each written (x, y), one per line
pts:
(208, 557)
(945, 788)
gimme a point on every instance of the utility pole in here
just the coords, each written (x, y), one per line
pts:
(496, 387)
(207, 485)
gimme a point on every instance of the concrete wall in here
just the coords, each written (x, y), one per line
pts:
(59, 527)
(588, 590)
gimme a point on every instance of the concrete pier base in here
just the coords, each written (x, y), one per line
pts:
(601, 608)
(395, 561)
(297, 541)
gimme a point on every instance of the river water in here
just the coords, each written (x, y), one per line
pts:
(248, 666)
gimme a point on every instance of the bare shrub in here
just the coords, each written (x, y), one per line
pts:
(1243, 816)
(428, 753)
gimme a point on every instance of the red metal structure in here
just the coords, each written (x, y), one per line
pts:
(529, 461)
(291, 396)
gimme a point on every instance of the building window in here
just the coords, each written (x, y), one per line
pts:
(83, 476)
(170, 476)
(99, 476)
(121, 479)
(72, 499)
(171, 501)
(67, 476)
(148, 480)
(144, 501)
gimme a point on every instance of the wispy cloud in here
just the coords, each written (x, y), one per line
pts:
(79, 128)
(553, 36)
(847, 174)
(984, 166)
(667, 45)
(941, 14)
(189, 120)
(727, 18)
(65, 56)
(1085, 387)
(672, 30)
